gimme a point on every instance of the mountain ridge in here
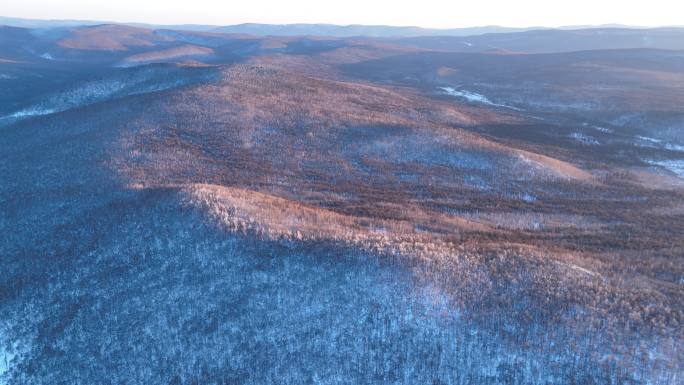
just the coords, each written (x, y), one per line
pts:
(320, 29)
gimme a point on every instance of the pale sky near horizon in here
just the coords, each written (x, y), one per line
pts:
(424, 13)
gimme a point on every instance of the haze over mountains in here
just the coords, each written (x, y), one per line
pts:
(310, 29)
(344, 205)
(277, 29)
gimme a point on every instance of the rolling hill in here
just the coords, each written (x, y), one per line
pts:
(199, 207)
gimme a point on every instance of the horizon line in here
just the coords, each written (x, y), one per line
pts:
(571, 26)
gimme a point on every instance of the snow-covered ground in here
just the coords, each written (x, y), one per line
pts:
(144, 80)
(521, 196)
(582, 138)
(82, 95)
(6, 358)
(31, 111)
(647, 141)
(474, 97)
(674, 147)
(603, 129)
(676, 166)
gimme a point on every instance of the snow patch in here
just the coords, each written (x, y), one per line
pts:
(520, 196)
(676, 166)
(585, 139)
(674, 147)
(470, 96)
(605, 130)
(645, 141)
(474, 97)
(583, 270)
(47, 56)
(31, 111)
(6, 358)
(477, 182)
(577, 268)
(98, 90)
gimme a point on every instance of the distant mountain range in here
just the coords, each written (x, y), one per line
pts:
(302, 29)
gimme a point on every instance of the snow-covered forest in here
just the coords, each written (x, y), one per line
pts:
(195, 207)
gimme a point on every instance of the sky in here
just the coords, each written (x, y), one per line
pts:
(424, 13)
